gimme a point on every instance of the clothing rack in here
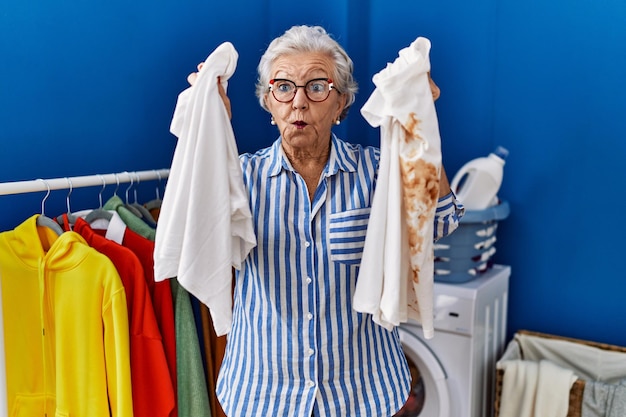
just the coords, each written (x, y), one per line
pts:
(31, 186)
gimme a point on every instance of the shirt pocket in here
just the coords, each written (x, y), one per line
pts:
(347, 235)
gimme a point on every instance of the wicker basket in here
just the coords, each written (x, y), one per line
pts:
(577, 390)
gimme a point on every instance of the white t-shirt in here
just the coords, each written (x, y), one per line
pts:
(204, 227)
(396, 277)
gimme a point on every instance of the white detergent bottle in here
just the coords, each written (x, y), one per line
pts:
(477, 183)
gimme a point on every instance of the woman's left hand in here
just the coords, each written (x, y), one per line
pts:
(191, 79)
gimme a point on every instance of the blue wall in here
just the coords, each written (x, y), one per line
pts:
(87, 88)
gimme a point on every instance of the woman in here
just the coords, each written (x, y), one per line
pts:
(297, 347)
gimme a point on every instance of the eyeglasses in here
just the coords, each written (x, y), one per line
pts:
(317, 89)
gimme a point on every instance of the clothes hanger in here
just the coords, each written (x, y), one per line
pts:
(113, 201)
(155, 203)
(129, 206)
(117, 187)
(145, 214)
(70, 217)
(100, 213)
(45, 221)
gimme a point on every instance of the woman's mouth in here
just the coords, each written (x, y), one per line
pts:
(299, 124)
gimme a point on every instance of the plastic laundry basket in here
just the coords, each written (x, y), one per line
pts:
(467, 252)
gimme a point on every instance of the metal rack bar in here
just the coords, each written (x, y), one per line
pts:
(31, 186)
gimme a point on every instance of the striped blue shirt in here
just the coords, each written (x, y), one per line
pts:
(297, 347)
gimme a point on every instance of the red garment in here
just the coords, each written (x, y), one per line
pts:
(161, 293)
(153, 392)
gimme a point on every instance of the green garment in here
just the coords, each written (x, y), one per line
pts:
(193, 396)
(133, 222)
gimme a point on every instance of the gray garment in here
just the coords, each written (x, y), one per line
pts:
(604, 400)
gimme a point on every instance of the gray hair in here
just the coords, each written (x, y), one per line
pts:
(304, 38)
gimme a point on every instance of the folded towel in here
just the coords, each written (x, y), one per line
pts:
(535, 389)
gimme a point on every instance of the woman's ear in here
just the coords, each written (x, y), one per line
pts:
(266, 100)
(342, 106)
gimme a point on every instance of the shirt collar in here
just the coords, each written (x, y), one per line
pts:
(342, 157)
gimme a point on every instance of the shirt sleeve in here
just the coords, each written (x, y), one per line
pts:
(447, 216)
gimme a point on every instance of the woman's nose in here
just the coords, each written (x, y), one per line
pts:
(300, 100)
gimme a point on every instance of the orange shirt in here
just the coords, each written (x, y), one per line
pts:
(153, 392)
(161, 293)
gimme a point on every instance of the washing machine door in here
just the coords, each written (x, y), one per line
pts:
(430, 395)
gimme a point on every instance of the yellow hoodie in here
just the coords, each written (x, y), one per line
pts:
(65, 326)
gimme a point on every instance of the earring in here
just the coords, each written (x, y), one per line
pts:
(338, 122)
(272, 121)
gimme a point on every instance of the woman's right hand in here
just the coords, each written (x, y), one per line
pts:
(191, 79)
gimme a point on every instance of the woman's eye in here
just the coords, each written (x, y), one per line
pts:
(284, 87)
(317, 87)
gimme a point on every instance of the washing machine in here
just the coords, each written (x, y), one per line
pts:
(454, 372)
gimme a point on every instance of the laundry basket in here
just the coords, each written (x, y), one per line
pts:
(605, 358)
(466, 253)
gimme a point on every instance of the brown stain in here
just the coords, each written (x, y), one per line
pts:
(411, 127)
(420, 190)
(414, 305)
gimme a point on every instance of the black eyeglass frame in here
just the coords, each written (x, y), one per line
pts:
(331, 87)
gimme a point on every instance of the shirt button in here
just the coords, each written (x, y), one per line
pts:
(309, 383)
(307, 244)
(309, 316)
(308, 280)
(311, 351)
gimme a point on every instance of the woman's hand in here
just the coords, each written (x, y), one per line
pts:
(434, 88)
(225, 99)
(444, 184)
(191, 79)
